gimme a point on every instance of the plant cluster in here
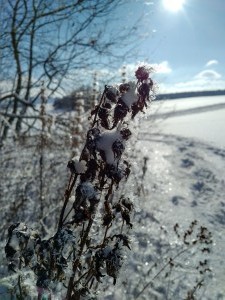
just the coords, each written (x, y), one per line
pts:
(28, 161)
(192, 254)
(88, 244)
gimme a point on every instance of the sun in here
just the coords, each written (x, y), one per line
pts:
(173, 5)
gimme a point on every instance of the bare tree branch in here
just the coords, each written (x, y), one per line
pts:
(51, 41)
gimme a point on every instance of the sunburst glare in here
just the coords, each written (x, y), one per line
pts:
(173, 5)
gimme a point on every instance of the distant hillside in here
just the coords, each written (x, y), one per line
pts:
(189, 94)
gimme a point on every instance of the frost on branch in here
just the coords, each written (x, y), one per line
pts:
(92, 235)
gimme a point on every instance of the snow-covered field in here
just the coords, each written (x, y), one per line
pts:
(182, 143)
(201, 117)
(185, 181)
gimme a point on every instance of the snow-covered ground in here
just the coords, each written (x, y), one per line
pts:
(185, 180)
(183, 143)
(202, 118)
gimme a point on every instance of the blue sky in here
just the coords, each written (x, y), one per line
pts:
(187, 46)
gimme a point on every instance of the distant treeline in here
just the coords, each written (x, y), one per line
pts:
(68, 102)
(189, 94)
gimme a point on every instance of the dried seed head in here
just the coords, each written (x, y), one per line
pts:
(142, 73)
(125, 133)
(111, 93)
(124, 87)
(113, 264)
(118, 148)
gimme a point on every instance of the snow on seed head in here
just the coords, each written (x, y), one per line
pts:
(76, 166)
(105, 143)
(130, 96)
(79, 128)
(80, 102)
(87, 190)
(80, 166)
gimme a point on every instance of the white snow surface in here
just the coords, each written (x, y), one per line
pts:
(185, 147)
(201, 117)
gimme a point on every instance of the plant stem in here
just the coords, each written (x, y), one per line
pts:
(96, 114)
(106, 230)
(160, 271)
(66, 200)
(76, 262)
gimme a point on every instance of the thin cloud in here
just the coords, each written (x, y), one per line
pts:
(208, 74)
(211, 63)
(162, 68)
(203, 81)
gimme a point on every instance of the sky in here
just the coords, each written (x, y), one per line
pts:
(184, 40)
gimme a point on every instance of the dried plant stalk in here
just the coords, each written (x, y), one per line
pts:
(75, 256)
